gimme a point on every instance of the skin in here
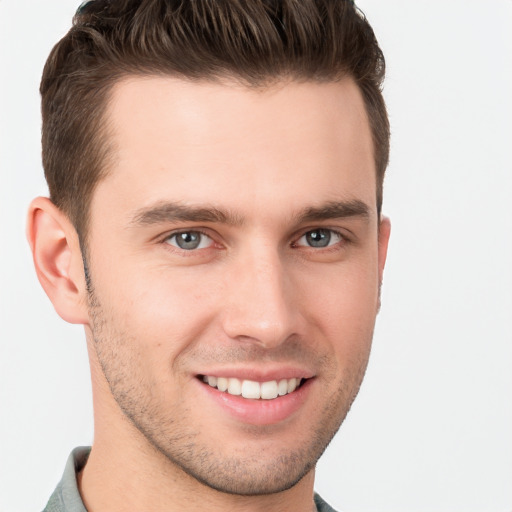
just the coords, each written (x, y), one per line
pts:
(255, 296)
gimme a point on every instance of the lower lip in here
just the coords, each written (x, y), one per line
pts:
(260, 412)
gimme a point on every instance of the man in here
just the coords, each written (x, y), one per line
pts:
(215, 172)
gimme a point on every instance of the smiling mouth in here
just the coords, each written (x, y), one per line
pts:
(269, 390)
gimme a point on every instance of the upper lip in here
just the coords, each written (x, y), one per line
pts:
(260, 374)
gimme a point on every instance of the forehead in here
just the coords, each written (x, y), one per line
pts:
(290, 145)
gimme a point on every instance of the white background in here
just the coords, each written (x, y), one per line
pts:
(432, 427)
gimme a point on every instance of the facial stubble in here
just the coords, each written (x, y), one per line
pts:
(167, 433)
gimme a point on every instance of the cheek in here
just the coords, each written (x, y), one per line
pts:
(161, 313)
(343, 306)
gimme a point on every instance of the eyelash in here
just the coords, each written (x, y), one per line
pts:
(175, 234)
(342, 240)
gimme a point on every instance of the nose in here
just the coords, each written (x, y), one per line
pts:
(260, 303)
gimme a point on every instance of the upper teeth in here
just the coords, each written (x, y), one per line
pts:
(252, 389)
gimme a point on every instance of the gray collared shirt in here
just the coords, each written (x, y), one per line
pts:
(66, 497)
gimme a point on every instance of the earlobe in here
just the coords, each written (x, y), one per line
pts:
(57, 259)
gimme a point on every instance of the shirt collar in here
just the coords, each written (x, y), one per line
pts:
(66, 497)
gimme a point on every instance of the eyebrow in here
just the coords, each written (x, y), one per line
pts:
(335, 210)
(176, 212)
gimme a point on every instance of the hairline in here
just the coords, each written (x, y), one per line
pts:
(106, 146)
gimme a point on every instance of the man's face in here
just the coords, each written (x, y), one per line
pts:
(235, 241)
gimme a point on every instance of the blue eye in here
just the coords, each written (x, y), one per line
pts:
(189, 240)
(320, 238)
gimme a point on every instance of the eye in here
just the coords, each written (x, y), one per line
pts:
(320, 238)
(189, 240)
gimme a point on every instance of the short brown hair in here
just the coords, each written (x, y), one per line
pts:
(256, 42)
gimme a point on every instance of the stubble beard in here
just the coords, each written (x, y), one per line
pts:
(180, 443)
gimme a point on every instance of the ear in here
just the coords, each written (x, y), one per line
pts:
(58, 260)
(384, 233)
